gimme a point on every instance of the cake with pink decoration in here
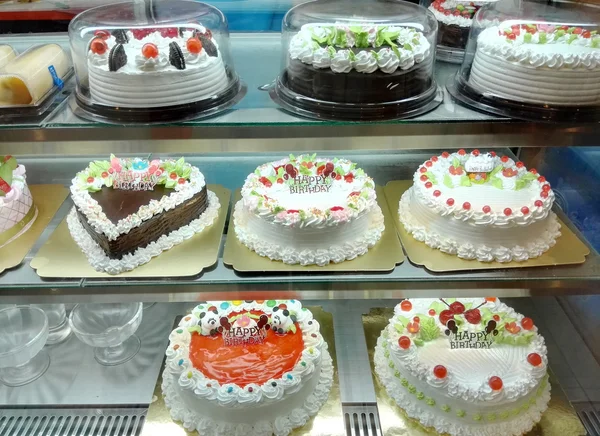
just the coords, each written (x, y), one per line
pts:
(309, 210)
(253, 368)
(17, 211)
(468, 367)
(480, 206)
(146, 68)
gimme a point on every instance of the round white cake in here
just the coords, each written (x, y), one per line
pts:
(539, 64)
(247, 368)
(470, 367)
(129, 74)
(308, 210)
(17, 211)
(480, 206)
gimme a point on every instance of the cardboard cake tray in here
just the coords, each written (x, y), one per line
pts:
(329, 421)
(60, 256)
(383, 257)
(569, 249)
(47, 199)
(560, 419)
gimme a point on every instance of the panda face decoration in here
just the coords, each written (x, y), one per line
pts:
(209, 323)
(282, 321)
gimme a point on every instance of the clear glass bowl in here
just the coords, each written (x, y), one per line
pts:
(23, 334)
(57, 321)
(109, 328)
(534, 61)
(152, 61)
(454, 19)
(357, 60)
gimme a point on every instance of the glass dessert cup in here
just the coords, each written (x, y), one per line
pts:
(152, 61)
(23, 334)
(59, 328)
(532, 61)
(109, 328)
(348, 60)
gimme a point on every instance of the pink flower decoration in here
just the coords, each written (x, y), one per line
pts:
(153, 166)
(548, 28)
(115, 164)
(244, 321)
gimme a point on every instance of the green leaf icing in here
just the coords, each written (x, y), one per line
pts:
(465, 181)
(448, 181)
(429, 330)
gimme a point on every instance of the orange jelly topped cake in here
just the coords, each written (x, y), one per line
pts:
(252, 367)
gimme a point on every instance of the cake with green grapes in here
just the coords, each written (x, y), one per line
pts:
(468, 367)
(253, 368)
(480, 206)
(128, 211)
(539, 64)
(309, 210)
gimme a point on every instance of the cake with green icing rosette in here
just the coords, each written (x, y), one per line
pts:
(128, 211)
(465, 367)
(360, 63)
(540, 64)
(480, 206)
(308, 210)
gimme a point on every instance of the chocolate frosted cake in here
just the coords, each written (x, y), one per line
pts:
(130, 210)
(359, 64)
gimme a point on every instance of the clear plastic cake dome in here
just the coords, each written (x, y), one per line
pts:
(454, 19)
(357, 60)
(534, 61)
(152, 61)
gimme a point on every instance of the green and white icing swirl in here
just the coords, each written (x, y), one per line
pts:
(364, 48)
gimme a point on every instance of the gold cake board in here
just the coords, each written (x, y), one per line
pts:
(61, 257)
(47, 199)
(569, 249)
(383, 257)
(329, 421)
(560, 419)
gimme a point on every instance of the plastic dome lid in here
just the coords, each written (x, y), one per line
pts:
(533, 61)
(153, 61)
(357, 60)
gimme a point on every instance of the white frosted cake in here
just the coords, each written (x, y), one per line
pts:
(154, 68)
(480, 206)
(252, 368)
(17, 211)
(539, 64)
(470, 367)
(308, 210)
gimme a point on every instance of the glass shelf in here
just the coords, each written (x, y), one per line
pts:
(256, 116)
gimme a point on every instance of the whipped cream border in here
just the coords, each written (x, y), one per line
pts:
(354, 206)
(491, 42)
(406, 54)
(101, 224)
(179, 366)
(101, 262)
(282, 426)
(481, 253)
(438, 166)
(515, 427)
(530, 377)
(321, 257)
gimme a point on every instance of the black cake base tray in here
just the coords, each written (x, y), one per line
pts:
(459, 88)
(308, 107)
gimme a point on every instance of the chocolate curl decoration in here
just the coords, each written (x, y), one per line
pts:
(263, 321)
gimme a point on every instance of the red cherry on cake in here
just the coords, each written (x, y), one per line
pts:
(450, 201)
(434, 158)
(541, 179)
(428, 163)
(445, 316)
(104, 174)
(289, 168)
(149, 50)
(104, 34)
(445, 154)
(491, 299)
(495, 383)
(586, 34)
(466, 205)
(436, 193)
(431, 312)
(527, 323)
(546, 187)
(194, 45)
(90, 180)
(475, 152)
(98, 46)
(504, 159)
(329, 166)
(525, 210)
(534, 359)
(181, 181)
(538, 203)
(424, 178)
(406, 306)
(440, 371)
(457, 307)
(496, 318)
(544, 194)
(533, 171)
(520, 164)
(404, 342)
(578, 31)
(173, 176)
(416, 319)
(508, 211)
(473, 316)
(486, 209)
(493, 153)
(462, 152)
(428, 185)
(280, 180)
(423, 169)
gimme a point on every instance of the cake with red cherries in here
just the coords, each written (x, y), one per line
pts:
(308, 210)
(246, 367)
(480, 206)
(466, 367)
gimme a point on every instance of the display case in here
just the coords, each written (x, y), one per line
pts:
(107, 347)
